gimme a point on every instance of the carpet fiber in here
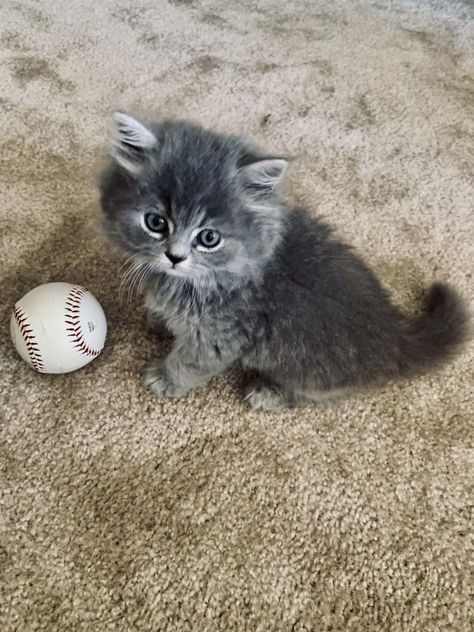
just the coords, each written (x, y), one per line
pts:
(122, 512)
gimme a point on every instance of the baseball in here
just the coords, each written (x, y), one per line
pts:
(58, 327)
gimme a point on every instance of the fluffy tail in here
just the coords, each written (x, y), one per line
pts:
(438, 333)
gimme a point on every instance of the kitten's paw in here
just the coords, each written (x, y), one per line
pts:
(260, 396)
(157, 381)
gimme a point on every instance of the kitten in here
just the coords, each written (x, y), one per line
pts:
(236, 276)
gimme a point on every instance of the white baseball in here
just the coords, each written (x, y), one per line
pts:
(58, 327)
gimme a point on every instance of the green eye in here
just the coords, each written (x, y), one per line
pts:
(156, 223)
(209, 238)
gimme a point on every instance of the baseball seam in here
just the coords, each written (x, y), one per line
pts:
(29, 339)
(73, 322)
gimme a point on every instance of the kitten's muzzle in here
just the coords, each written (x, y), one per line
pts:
(174, 258)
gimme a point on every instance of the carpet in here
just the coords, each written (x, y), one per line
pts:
(122, 512)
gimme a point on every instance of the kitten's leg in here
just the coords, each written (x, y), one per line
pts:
(261, 394)
(185, 368)
(157, 325)
(165, 383)
(153, 319)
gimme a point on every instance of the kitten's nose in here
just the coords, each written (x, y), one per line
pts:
(174, 258)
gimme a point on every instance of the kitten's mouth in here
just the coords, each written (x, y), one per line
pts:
(176, 269)
(173, 270)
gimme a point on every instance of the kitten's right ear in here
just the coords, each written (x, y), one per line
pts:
(131, 142)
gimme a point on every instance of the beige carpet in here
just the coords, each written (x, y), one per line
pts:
(121, 512)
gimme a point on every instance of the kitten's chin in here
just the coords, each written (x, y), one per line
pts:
(177, 272)
(190, 276)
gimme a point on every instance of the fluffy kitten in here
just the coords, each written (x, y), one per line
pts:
(235, 275)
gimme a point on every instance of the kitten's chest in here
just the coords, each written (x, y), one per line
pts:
(182, 318)
(203, 322)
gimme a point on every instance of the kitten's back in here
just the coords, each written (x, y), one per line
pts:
(334, 318)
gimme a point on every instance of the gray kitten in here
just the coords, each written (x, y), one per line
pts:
(236, 276)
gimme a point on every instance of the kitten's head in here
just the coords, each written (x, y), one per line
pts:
(190, 203)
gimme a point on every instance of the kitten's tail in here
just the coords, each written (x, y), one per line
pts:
(438, 333)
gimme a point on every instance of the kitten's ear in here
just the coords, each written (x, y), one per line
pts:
(263, 175)
(131, 142)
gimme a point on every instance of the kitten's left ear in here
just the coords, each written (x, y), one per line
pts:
(131, 142)
(263, 175)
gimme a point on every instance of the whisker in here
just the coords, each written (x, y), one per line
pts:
(134, 282)
(128, 277)
(127, 260)
(144, 275)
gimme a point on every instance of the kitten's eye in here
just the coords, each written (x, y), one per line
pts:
(156, 223)
(209, 238)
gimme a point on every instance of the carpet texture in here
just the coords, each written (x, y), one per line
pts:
(121, 512)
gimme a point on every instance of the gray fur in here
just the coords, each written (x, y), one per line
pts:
(281, 295)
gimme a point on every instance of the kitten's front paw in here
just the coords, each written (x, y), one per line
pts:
(262, 397)
(159, 384)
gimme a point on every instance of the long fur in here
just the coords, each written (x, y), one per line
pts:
(283, 296)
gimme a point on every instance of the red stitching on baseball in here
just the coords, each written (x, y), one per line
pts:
(74, 331)
(29, 339)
